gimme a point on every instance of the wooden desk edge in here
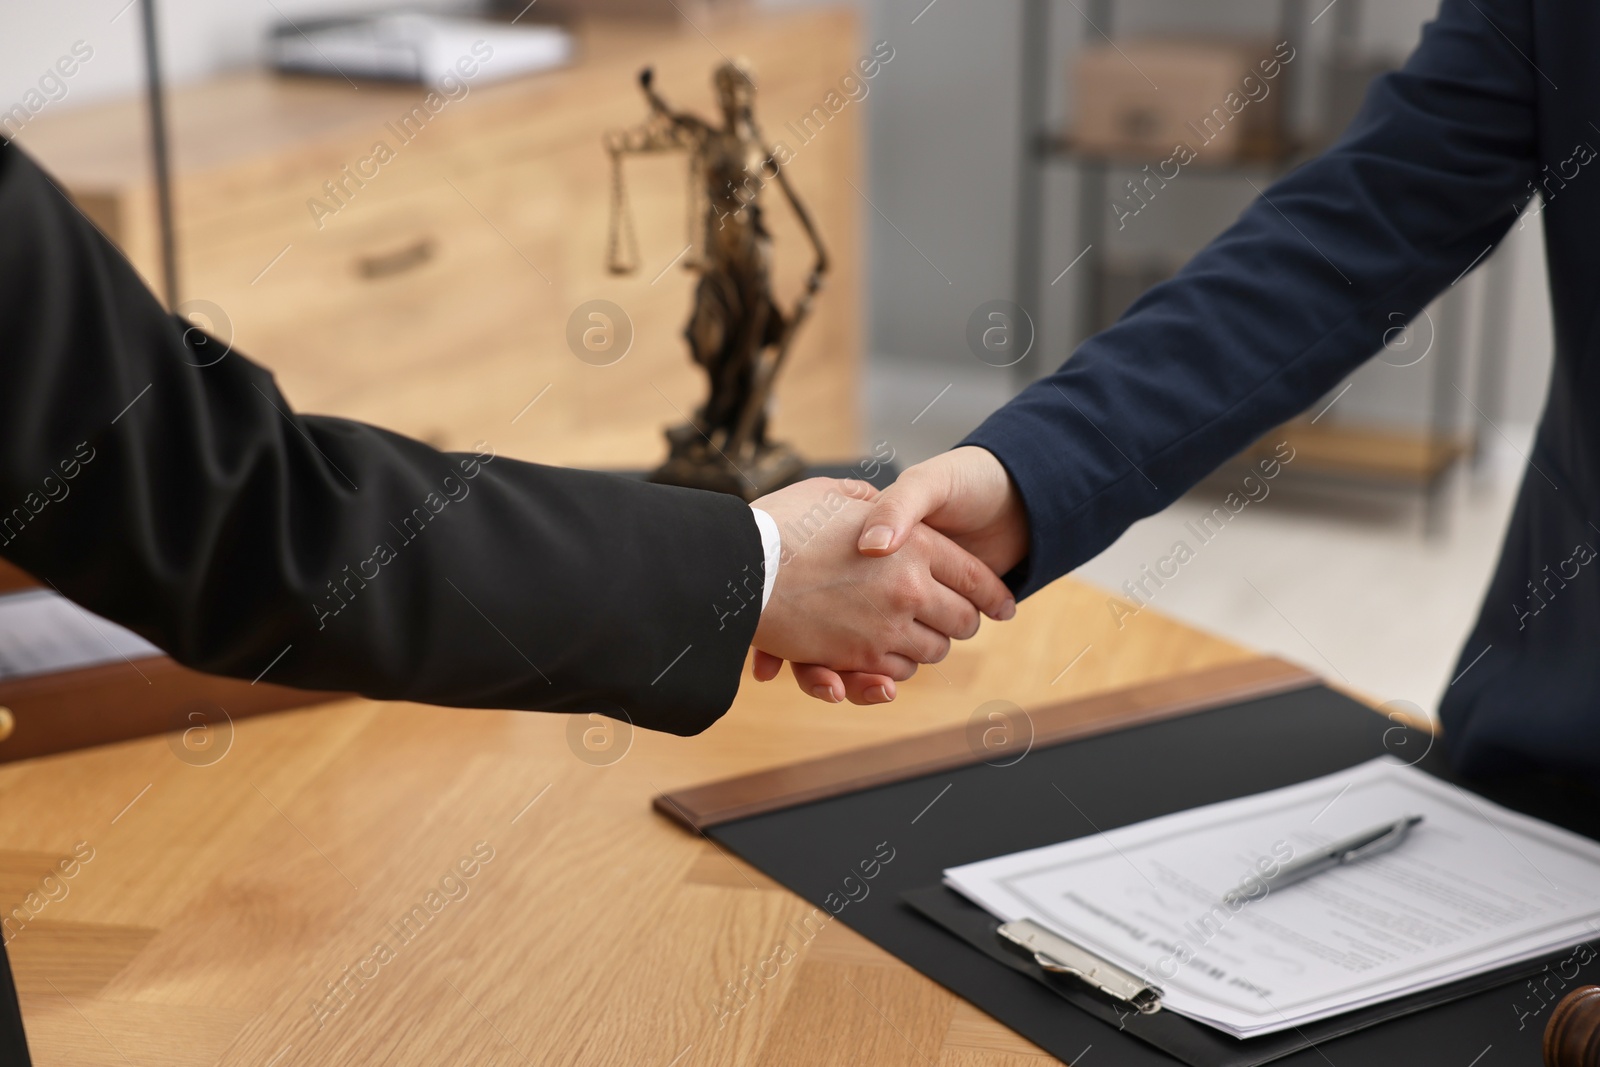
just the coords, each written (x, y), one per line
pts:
(700, 807)
(120, 701)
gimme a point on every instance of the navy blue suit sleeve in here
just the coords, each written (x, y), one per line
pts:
(1292, 297)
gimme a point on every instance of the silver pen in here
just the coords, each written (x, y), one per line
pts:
(1360, 846)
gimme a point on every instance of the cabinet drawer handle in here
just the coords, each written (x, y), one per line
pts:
(388, 264)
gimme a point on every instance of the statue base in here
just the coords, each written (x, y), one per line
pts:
(692, 462)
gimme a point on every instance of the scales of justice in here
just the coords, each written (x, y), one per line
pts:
(736, 330)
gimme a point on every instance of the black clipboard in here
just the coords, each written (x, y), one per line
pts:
(950, 817)
(1187, 1041)
(13, 1042)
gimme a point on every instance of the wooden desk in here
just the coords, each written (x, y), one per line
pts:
(223, 900)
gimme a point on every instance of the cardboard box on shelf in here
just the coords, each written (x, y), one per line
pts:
(1144, 98)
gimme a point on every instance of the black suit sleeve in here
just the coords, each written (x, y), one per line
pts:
(186, 500)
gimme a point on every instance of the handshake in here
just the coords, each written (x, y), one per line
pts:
(870, 584)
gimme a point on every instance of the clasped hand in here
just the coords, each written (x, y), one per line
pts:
(870, 585)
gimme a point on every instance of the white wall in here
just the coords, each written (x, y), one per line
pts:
(942, 152)
(197, 38)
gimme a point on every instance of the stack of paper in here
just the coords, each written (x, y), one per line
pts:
(1473, 888)
(428, 49)
(42, 632)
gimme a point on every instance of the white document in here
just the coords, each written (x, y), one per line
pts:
(421, 48)
(1472, 888)
(42, 632)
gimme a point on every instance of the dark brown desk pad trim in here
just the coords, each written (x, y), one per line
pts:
(700, 807)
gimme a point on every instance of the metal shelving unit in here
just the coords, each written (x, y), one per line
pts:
(1348, 453)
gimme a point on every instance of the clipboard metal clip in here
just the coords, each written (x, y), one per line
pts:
(1059, 956)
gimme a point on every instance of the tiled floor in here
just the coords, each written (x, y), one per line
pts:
(1341, 580)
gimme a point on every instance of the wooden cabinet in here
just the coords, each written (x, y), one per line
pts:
(435, 299)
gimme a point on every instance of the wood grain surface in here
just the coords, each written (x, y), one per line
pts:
(226, 903)
(115, 701)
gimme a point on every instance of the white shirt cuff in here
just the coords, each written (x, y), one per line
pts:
(771, 549)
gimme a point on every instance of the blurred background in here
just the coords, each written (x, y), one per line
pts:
(995, 162)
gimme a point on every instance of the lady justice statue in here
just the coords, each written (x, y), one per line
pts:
(736, 330)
